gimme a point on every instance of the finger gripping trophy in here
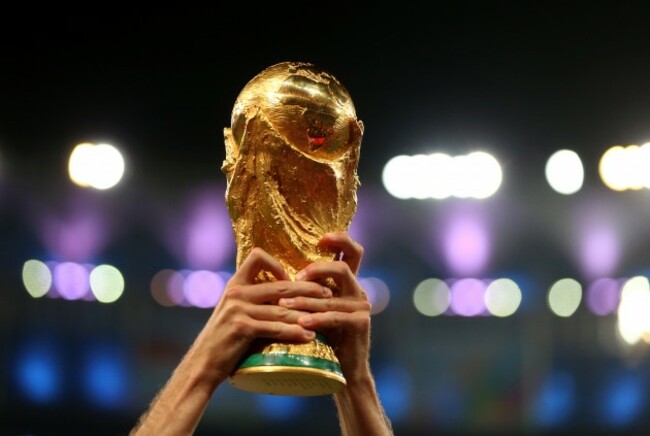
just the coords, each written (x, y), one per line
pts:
(292, 152)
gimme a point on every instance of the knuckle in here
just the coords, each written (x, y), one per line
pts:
(256, 253)
(364, 320)
(282, 312)
(275, 330)
(342, 267)
(233, 309)
(281, 288)
(241, 328)
(365, 323)
(233, 293)
(358, 248)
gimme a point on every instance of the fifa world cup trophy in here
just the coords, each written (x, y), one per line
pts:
(292, 151)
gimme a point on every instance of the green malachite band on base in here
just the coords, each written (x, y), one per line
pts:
(291, 360)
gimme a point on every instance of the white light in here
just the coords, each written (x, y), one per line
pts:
(37, 278)
(441, 170)
(438, 176)
(644, 161)
(502, 297)
(564, 297)
(565, 172)
(634, 310)
(79, 166)
(623, 168)
(432, 297)
(107, 283)
(419, 177)
(98, 166)
(484, 173)
(396, 177)
(459, 184)
(612, 168)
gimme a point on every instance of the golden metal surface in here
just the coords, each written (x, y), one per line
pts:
(293, 370)
(292, 152)
(312, 349)
(288, 380)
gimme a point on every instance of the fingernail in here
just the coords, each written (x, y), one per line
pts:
(306, 321)
(310, 335)
(327, 292)
(287, 302)
(301, 275)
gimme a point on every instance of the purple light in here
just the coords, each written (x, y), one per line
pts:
(375, 213)
(209, 237)
(600, 250)
(52, 292)
(603, 296)
(79, 236)
(174, 286)
(167, 288)
(378, 293)
(466, 245)
(596, 238)
(362, 221)
(71, 280)
(203, 238)
(203, 288)
(468, 297)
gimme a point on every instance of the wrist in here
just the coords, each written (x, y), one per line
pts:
(359, 381)
(204, 371)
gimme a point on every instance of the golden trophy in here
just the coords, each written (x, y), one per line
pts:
(291, 166)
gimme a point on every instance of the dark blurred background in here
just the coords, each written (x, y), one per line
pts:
(523, 312)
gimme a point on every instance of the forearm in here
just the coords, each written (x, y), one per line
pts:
(180, 404)
(359, 409)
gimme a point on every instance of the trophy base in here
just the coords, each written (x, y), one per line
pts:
(291, 369)
(287, 380)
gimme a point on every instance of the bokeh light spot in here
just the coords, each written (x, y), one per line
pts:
(438, 176)
(71, 280)
(279, 407)
(394, 387)
(622, 399)
(431, 297)
(565, 172)
(105, 376)
(378, 293)
(603, 296)
(634, 310)
(107, 283)
(502, 297)
(396, 178)
(564, 297)
(98, 166)
(167, 287)
(37, 278)
(203, 288)
(38, 372)
(468, 297)
(556, 400)
(466, 245)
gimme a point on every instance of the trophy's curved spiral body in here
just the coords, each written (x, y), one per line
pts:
(292, 152)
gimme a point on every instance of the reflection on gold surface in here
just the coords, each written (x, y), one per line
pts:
(312, 349)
